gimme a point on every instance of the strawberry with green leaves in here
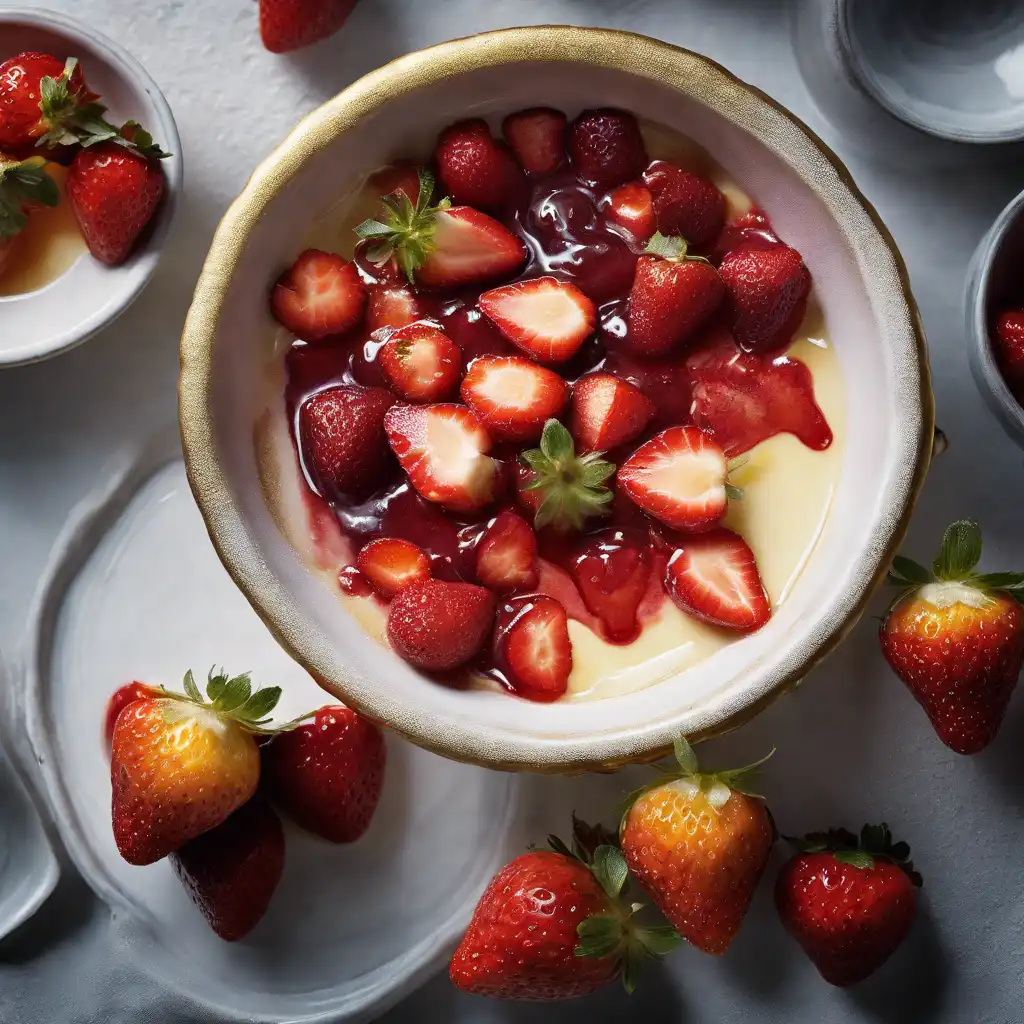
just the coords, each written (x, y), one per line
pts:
(24, 184)
(956, 638)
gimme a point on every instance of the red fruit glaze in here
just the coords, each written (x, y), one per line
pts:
(390, 564)
(685, 203)
(127, 694)
(612, 571)
(319, 295)
(607, 411)
(532, 649)
(513, 397)
(475, 170)
(606, 148)
(290, 24)
(1008, 344)
(506, 555)
(537, 137)
(421, 363)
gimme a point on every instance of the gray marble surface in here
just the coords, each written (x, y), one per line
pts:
(852, 745)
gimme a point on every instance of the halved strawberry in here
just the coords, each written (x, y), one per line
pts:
(443, 449)
(537, 137)
(506, 555)
(391, 563)
(607, 411)
(532, 647)
(474, 169)
(606, 148)
(679, 477)
(400, 177)
(714, 577)
(685, 203)
(513, 397)
(319, 295)
(421, 363)
(546, 318)
(391, 306)
(632, 206)
(612, 575)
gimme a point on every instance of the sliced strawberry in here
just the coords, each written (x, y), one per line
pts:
(506, 555)
(537, 137)
(607, 411)
(474, 169)
(400, 177)
(612, 575)
(390, 564)
(606, 148)
(714, 577)
(391, 306)
(421, 363)
(443, 449)
(685, 203)
(679, 477)
(513, 397)
(546, 318)
(632, 206)
(321, 294)
(532, 647)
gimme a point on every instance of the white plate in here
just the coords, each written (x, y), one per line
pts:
(136, 591)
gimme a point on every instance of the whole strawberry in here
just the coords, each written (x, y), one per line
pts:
(179, 764)
(327, 774)
(290, 24)
(699, 843)
(551, 925)
(956, 638)
(43, 101)
(849, 904)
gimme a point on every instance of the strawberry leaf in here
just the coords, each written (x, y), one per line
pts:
(215, 683)
(600, 935)
(685, 756)
(259, 706)
(235, 693)
(659, 940)
(960, 550)
(855, 858)
(610, 869)
(191, 690)
(906, 571)
(668, 248)
(22, 182)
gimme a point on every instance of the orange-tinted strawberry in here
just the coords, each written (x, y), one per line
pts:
(532, 648)
(287, 25)
(607, 411)
(319, 295)
(390, 564)
(122, 697)
(537, 137)
(506, 555)
(513, 397)
(1008, 345)
(421, 363)
(699, 844)
(476, 170)
(956, 638)
(606, 148)
(685, 203)
(632, 206)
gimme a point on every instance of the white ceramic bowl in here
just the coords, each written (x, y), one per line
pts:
(89, 295)
(810, 198)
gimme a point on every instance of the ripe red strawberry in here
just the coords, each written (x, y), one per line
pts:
(849, 904)
(24, 186)
(612, 576)
(680, 477)
(443, 450)
(400, 177)
(474, 169)
(421, 363)
(537, 137)
(685, 203)
(632, 206)
(390, 306)
(606, 148)
(43, 101)
(713, 576)
(327, 774)
(390, 564)
(699, 843)
(341, 432)
(114, 193)
(125, 695)
(552, 925)
(441, 246)
(607, 411)
(180, 765)
(1008, 345)
(546, 318)
(232, 871)
(438, 626)
(673, 297)
(290, 24)
(532, 647)
(506, 555)
(512, 397)
(319, 295)
(768, 290)
(956, 638)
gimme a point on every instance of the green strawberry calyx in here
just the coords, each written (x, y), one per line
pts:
(23, 182)
(573, 488)
(672, 248)
(618, 933)
(875, 843)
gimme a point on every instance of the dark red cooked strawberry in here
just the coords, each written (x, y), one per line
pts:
(532, 648)
(291, 24)
(680, 477)
(612, 575)
(546, 318)
(512, 397)
(506, 555)
(607, 411)
(341, 431)
(438, 626)
(400, 177)
(537, 137)
(673, 297)
(319, 295)
(54, 112)
(474, 169)
(768, 290)
(1008, 344)
(713, 576)
(443, 449)
(632, 206)
(127, 694)
(606, 148)
(390, 306)
(390, 564)
(685, 203)
(327, 774)
(421, 363)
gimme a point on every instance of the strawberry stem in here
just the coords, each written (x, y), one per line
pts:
(672, 248)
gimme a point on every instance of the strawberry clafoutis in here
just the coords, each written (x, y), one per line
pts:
(526, 402)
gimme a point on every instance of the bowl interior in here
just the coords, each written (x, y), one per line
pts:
(860, 285)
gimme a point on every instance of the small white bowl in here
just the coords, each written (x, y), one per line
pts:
(89, 295)
(949, 68)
